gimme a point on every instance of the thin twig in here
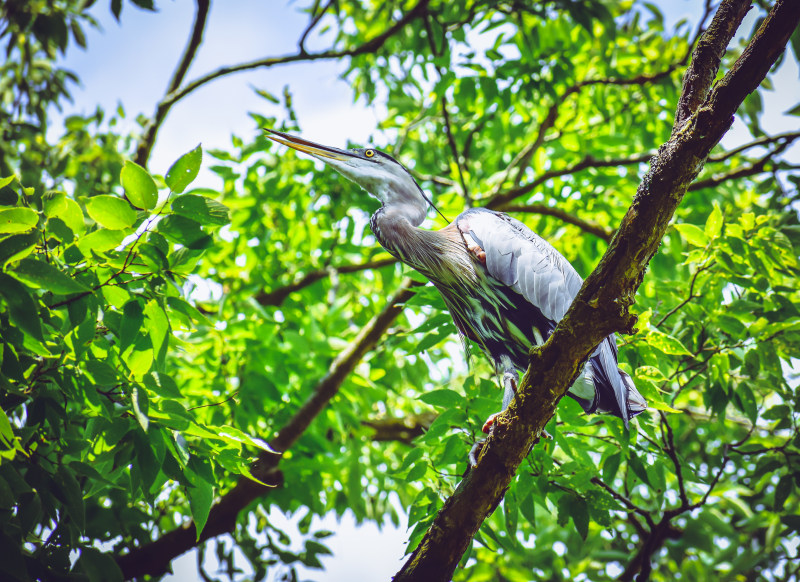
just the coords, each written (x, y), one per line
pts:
(200, 19)
(314, 21)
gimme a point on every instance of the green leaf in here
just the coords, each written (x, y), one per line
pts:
(17, 246)
(140, 188)
(443, 398)
(6, 432)
(184, 171)
(54, 203)
(17, 219)
(782, 491)
(655, 404)
(172, 414)
(793, 111)
(201, 495)
(666, 344)
(43, 276)
(183, 231)
(72, 216)
(713, 226)
(157, 324)
(132, 320)
(190, 311)
(511, 513)
(201, 209)
(579, 511)
(101, 373)
(101, 241)
(692, 234)
(162, 385)
(140, 405)
(611, 466)
(139, 362)
(70, 494)
(111, 212)
(22, 309)
(636, 466)
(412, 457)
(98, 566)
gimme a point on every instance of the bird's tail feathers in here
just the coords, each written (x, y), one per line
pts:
(636, 402)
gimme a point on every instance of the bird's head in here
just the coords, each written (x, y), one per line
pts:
(376, 172)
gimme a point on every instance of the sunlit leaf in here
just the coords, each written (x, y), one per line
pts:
(17, 219)
(140, 188)
(184, 170)
(111, 212)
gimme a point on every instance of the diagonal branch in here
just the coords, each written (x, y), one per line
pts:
(301, 44)
(602, 304)
(172, 97)
(707, 57)
(200, 18)
(753, 169)
(762, 141)
(154, 558)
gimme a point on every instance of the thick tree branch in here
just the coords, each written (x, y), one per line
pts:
(601, 306)
(200, 18)
(176, 95)
(155, 557)
(707, 57)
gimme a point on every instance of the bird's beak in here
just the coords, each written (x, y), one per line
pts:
(309, 147)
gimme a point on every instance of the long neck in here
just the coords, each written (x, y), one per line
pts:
(395, 227)
(436, 254)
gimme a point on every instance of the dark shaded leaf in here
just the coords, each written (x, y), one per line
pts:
(43, 276)
(22, 308)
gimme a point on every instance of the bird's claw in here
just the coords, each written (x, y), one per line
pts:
(487, 426)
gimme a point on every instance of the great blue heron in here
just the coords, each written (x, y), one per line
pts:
(505, 286)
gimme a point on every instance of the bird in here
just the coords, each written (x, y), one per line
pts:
(505, 286)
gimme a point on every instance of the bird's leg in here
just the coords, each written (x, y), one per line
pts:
(510, 383)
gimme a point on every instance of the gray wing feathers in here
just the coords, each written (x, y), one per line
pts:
(521, 259)
(608, 359)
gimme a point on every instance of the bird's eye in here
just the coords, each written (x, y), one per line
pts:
(369, 153)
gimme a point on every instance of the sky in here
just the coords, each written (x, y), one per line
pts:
(130, 64)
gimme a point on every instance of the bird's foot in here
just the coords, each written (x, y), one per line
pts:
(487, 426)
(479, 253)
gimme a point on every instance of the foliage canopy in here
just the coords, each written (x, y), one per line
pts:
(157, 335)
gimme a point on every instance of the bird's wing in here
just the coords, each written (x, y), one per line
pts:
(521, 259)
(518, 257)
